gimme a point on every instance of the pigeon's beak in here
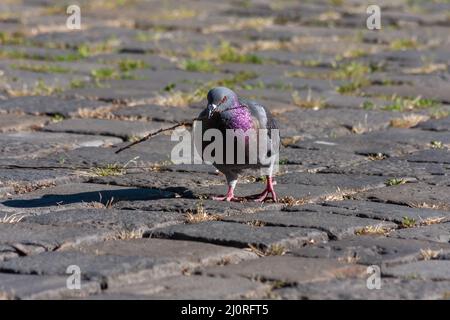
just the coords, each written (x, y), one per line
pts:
(211, 108)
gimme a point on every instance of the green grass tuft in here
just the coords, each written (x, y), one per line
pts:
(395, 182)
(108, 170)
(127, 65)
(57, 118)
(225, 53)
(13, 38)
(85, 50)
(356, 73)
(437, 145)
(199, 66)
(230, 54)
(41, 68)
(403, 44)
(77, 84)
(104, 74)
(408, 222)
(408, 104)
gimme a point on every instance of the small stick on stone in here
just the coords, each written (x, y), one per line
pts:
(179, 124)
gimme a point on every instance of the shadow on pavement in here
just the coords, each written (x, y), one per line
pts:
(132, 194)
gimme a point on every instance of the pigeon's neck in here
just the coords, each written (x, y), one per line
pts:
(239, 117)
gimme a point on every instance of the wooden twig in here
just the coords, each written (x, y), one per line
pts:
(180, 124)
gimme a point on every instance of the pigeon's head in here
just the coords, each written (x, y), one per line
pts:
(220, 98)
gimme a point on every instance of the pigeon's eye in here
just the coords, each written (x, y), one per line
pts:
(224, 99)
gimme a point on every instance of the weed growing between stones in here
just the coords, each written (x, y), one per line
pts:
(357, 75)
(224, 53)
(395, 182)
(373, 230)
(127, 65)
(256, 223)
(104, 74)
(13, 218)
(40, 88)
(198, 66)
(57, 118)
(407, 104)
(110, 170)
(309, 102)
(199, 214)
(12, 38)
(377, 156)
(408, 222)
(77, 84)
(291, 201)
(437, 145)
(404, 44)
(429, 254)
(408, 121)
(430, 221)
(184, 99)
(272, 250)
(41, 68)
(128, 234)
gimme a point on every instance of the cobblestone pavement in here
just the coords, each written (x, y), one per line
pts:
(366, 169)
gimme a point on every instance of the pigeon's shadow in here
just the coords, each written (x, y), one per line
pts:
(102, 196)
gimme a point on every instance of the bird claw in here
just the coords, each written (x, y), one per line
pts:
(226, 198)
(262, 197)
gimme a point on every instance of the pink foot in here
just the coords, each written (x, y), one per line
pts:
(228, 197)
(265, 194)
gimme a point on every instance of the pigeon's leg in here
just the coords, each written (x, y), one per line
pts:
(230, 193)
(269, 190)
(228, 197)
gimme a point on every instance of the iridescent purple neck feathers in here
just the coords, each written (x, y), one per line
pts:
(237, 117)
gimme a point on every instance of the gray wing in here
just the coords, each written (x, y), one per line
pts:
(264, 120)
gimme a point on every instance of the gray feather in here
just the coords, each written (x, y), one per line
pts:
(260, 115)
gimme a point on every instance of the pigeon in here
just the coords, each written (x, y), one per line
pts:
(225, 110)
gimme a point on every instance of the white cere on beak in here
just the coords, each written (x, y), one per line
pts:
(211, 109)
